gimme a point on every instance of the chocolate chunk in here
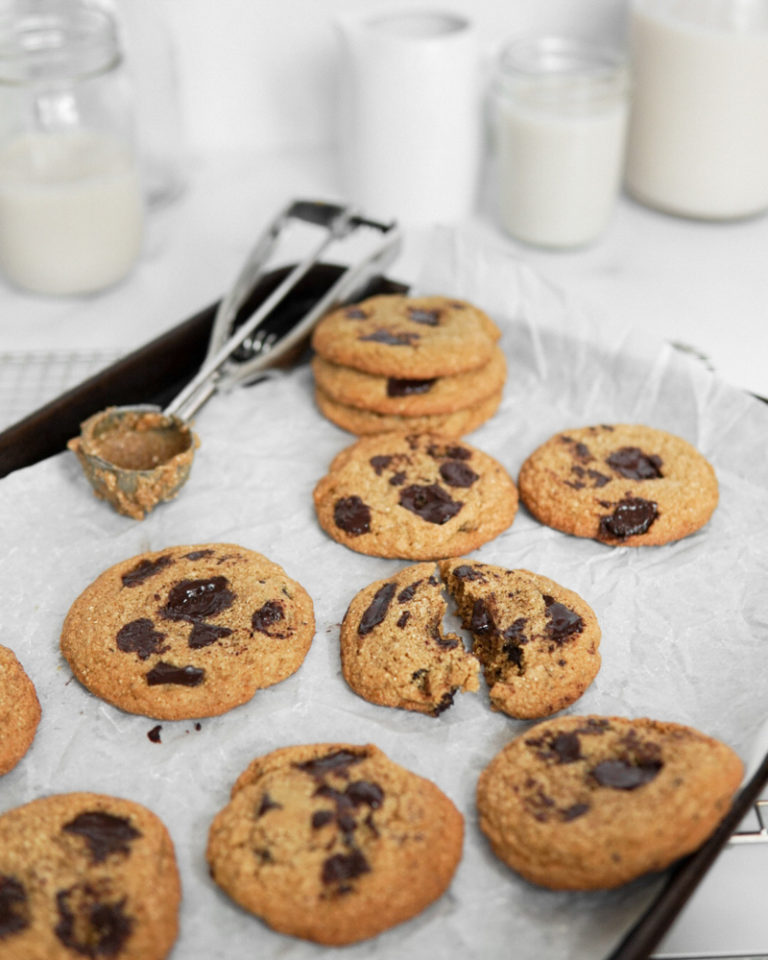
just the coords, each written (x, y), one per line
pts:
(344, 866)
(337, 762)
(481, 621)
(625, 776)
(562, 622)
(355, 313)
(169, 673)
(321, 817)
(267, 615)
(145, 569)
(457, 474)
(514, 637)
(430, 318)
(467, 572)
(377, 610)
(632, 463)
(380, 463)
(364, 792)
(154, 734)
(352, 516)
(452, 452)
(204, 634)
(14, 913)
(391, 339)
(407, 593)
(141, 638)
(405, 616)
(266, 804)
(567, 746)
(430, 502)
(581, 452)
(198, 599)
(398, 479)
(398, 387)
(446, 701)
(103, 832)
(631, 516)
(198, 554)
(574, 811)
(90, 927)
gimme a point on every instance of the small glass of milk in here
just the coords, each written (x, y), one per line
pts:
(560, 111)
(71, 201)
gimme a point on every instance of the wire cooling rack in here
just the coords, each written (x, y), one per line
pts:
(30, 379)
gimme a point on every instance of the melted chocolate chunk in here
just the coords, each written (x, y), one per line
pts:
(141, 638)
(453, 452)
(514, 637)
(89, 927)
(270, 613)
(364, 792)
(337, 762)
(104, 833)
(267, 803)
(398, 387)
(562, 622)
(567, 747)
(154, 734)
(145, 569)
(467, 572)
(408, 593)
(630, 518)
(169, 673)
(14, 913)
(352, 516)
(620, 775)
(380, 463)
(344, 866)
(377, 610)
(390, 338)
(198, 599)
(481, 621)
(321, 817)
(204, 634)
(457, 474)
(632, 463)
(431, 502)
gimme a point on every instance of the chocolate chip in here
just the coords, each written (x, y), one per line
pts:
(380, 463)
(407, 593)
(14, 913)
(145, 569)
(355, 313)
(204, 634)
(344, 866)
(398, 387)
(620, 775)
(154, 734)
(430, 318)
(337, 762)
(581, 452)
(103, 832)
(198, 599)
(377, 609)
(562, 622)
(574, 811)
(267, 615)
(514, 637)
(567, 747)
(405, 616)
(398, 479)
(141, 638)
(430, 502)
(169, 673)
(457, 474)
(90, 927)
(451, 452)
(631, 517)
(390, 338)
(321, 817)
(632, 463)
(481, 621)
(364, 792)
(198, 554)
(446, 701)
(352, 516)
(266, 804)
(467, 572)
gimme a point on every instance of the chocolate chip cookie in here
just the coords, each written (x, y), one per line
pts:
(19, 711)
(415, 496)
(622, 484)
(86, 875)
(583, 803)
(393, 649)
(334, 843)
(407, 337)
(537, 641)
(189, 631)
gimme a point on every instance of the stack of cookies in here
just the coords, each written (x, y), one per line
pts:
(425, 364)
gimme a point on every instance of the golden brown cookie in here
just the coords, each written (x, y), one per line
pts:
(393, 649)
(19, 711)
(365, 422)
(537, 641)
(584, 803)
(334, 843)
(415, 496)
(623, 484)
(407, 337)
(410, 398)
(86, 875)
(189, 631)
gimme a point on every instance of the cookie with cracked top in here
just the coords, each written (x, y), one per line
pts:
(414, 496)
(19, 710)
(393, 649)
(537, 641)
(334, 843)
(189, 631)
(407, 337)
(587, 803)
(622, 484)
(86, 875)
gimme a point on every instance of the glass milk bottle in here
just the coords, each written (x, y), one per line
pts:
(698, 134)
(559, 109)
(71, 205)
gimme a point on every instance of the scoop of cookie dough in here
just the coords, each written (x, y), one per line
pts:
(622, 484)
(19, 711)
(333, 842)
(584, 803)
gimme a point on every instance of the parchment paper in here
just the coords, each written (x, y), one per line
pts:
(684, 626)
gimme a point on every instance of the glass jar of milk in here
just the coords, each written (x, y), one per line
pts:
(698, 133)
(71, 204)
(560, 111)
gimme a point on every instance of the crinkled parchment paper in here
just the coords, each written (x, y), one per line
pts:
(684, 626)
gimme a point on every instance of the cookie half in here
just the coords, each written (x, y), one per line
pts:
(407, 337)
(623, 484)
(393, 649)
(334, 843)
(86, 875)
(537, 641)
(415, 496)
(19, 711)
(189, 631)
(583, 803)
